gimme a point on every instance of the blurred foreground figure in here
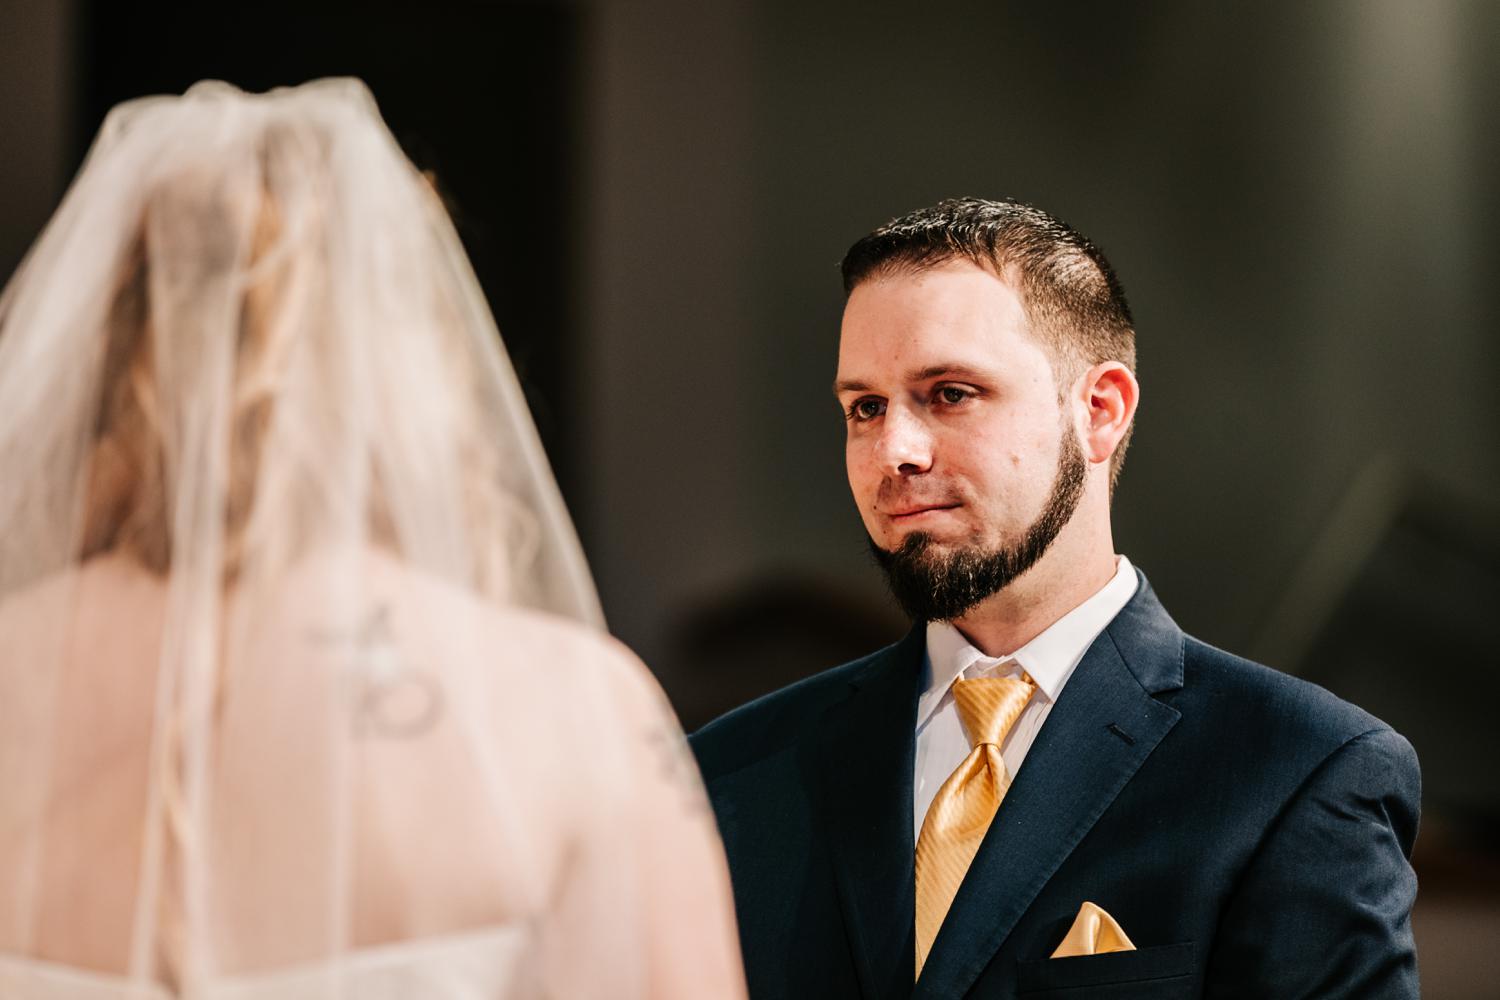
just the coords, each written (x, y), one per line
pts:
(1046, 789)
(303, 685)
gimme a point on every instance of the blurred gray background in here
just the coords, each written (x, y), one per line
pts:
(1301, 199)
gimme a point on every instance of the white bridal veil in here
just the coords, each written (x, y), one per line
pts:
(303, 690)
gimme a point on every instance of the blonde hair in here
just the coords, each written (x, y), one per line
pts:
(129, 493)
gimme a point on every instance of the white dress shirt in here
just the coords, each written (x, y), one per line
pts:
(1049, 659)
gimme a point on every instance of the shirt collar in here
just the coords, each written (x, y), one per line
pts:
(1049, 659)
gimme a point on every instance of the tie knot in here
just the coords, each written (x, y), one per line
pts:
(989, 706)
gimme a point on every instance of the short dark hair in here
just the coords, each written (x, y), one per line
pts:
(1074, 302)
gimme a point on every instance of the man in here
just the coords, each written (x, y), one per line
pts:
(1046, 766)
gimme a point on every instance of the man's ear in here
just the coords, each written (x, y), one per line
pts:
(1109, 393)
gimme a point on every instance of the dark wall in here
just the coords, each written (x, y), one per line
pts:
(36, 88)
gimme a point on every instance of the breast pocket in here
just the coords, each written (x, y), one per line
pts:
(1163, 972)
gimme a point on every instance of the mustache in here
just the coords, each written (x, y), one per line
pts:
(894, 494)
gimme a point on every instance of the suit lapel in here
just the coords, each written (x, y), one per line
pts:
(866, 756)
(1075, 769)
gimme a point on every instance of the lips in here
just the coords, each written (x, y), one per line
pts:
(910, 512)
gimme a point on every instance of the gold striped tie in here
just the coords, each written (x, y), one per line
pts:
(963, 808)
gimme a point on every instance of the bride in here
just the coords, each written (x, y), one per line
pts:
(304, 688)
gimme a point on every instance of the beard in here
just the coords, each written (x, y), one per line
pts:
(933, 583)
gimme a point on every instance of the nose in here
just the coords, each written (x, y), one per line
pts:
(904, 447)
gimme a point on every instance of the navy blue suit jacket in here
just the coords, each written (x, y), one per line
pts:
(1249, 831)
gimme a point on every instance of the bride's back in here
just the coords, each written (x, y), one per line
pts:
(299, 659)
(476, 796)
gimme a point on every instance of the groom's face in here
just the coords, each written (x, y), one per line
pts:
(954, 424)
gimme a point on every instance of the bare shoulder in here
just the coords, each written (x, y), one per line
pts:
(503, 636)
(110, 598)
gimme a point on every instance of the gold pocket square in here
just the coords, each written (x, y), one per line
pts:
(1094, 932)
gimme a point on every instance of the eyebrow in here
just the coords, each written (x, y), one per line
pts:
(919, 375)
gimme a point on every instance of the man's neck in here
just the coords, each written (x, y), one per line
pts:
(1075, 568)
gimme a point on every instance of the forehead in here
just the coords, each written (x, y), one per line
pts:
(956, 313)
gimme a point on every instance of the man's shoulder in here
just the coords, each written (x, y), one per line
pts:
(780, 719)
(1222, 695)
(1286, 712)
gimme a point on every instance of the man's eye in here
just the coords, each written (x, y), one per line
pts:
(953, 395)
(866, 409)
